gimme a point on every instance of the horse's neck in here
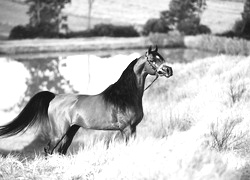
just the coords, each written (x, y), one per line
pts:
(128, 89)
(132, 78)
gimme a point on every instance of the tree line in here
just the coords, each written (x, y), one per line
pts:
(46, 20)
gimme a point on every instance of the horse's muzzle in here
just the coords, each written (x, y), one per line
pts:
(165, 70)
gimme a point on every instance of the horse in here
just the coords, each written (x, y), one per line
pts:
(117, 108)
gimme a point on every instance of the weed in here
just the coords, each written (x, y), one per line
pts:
(231, 46)
(224, 136)
(236, 91)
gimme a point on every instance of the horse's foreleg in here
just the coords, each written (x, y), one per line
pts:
(67, 139)
(128, 132)
(47, 150)
(133, 131)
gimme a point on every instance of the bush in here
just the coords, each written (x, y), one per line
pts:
(155, 25)
(114, 31)
(26, 32)
(225, 137)
(106, 30)
(192, 27)
(19, 32)
(44, 31)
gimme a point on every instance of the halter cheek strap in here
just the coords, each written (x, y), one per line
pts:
(154, 67)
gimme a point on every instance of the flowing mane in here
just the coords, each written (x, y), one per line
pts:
(124, 92)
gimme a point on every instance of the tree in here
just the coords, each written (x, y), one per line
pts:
(246, 18)
(45, 15)
(184, 15)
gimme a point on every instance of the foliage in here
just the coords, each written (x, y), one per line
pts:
(246, 18)
(224, 136)
(107, 30)
(155, 25)
(185, 16)
(241, 28)
(45, 20)
(237, 89)
(29, 32)
(19, 32)
(45, 14)
(192, 27)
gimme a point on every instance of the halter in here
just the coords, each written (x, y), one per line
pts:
(154, 67)
(152, 82)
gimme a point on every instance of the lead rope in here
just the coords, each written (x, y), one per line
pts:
(152, 82)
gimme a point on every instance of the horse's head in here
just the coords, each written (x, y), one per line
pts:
(155, 64)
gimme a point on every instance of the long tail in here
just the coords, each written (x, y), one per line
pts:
(36, 111)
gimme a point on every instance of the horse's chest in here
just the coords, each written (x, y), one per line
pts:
(127, 117)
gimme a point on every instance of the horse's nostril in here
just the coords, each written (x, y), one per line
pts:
(166, 71)
(170, 71)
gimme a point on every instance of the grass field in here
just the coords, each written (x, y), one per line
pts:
(196, 126)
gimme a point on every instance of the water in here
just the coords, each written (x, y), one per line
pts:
(22, 76)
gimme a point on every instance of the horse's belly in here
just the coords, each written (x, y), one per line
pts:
(96, 119)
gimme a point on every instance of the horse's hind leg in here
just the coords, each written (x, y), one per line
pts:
(67, 139)
(52, 145)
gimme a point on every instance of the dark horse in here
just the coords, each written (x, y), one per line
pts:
(119, 107)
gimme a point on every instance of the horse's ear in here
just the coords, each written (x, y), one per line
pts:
(149, 49)
(156, 48)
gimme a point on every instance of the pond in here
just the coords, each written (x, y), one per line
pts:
(22, 76)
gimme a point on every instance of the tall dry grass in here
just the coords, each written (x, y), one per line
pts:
(224, 45)
(196, 126)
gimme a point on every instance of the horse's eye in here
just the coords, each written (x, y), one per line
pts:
(158, 57)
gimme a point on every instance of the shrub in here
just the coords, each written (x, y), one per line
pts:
(114, 30)
(192, 27)
(44, 31)
(224, 135)
(25, 32)
(106, 30)
(236, 90)
(155, 25)
(21, 32)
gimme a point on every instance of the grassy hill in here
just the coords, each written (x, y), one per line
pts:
(196, 126)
